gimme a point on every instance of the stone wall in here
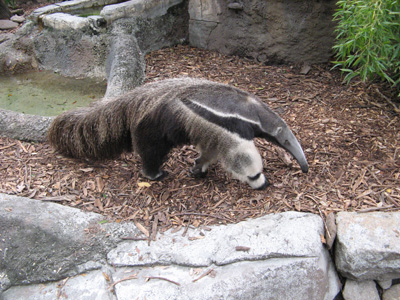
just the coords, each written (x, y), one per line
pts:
(274, 31)
(367, 255)
(278, 256)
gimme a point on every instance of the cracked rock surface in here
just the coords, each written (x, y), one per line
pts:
(367, 246)
(279, 256)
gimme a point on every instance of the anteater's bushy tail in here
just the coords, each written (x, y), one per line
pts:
(98, 132)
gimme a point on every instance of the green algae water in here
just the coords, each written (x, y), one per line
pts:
(46, 93)
(86, 12)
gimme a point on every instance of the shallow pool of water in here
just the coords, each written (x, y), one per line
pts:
(86, 12)
(46, 93)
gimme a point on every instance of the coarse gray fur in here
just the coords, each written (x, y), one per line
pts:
(220, 120)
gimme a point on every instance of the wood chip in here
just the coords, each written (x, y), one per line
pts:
(142, 228)
(242, 248)
(209, 271)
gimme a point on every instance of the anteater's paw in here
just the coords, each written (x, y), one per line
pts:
(162, 175)
(197, 172)
(159, 176)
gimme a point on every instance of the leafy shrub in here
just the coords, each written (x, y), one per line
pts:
(368, 39)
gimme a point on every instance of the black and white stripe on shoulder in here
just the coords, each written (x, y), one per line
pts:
(233, 122)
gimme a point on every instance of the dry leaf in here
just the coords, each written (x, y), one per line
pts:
(142, 228)
(165, 195)
(99, 184)
(285, 157)
(57, 185)
(98, 204)
(193, 238)
(90, 185)
(86, 170)
(323, 240)
(144, 184)
(106, 276)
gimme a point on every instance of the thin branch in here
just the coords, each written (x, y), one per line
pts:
(203, 275)
(111, 287)
(162, 278)
(395, 108)
(201, 214)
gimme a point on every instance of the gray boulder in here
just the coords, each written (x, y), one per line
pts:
(46, 241)
(88, 286)
(392, 294)
(68, 45)
(18, 19)
(8, 24)
(147, 8)
(16, 51)
(274, 257)
(360, 290)
(385, 284)
(283, 259)
(268, 31)
(367, 245)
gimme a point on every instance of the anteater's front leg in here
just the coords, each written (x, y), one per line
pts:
(153, 151)
(200, 168)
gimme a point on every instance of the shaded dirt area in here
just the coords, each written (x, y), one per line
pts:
(350, 135)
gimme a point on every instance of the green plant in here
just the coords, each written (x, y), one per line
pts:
(368, 39)
(11, 3)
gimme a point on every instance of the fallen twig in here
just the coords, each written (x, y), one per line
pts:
(185, 187)
(242, 248)
(111, 287)
(133, 238)
(60, 287)
(219, 202)
(201, 214)
(375, 208)
(142, 228)
(58, 198)
(22, 146)
(395, 108)
(203, 275)
(8, 146)
(154, 228)
(162, 278)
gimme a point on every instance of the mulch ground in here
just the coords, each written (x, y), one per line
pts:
(350, 134)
